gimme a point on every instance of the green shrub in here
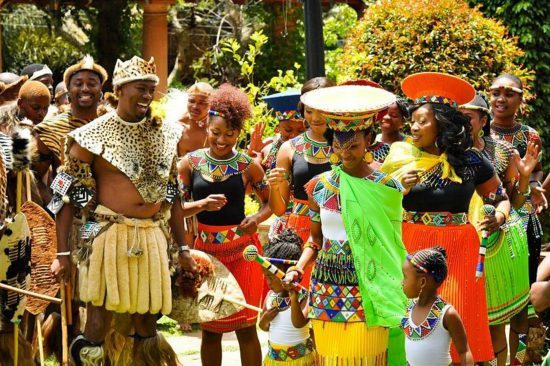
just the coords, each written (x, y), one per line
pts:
(396, 38)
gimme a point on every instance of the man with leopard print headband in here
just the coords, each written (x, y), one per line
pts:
(125, 161)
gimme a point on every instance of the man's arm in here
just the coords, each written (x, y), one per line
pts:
(64, 218)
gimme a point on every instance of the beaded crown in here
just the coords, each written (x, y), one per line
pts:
(134, 69)
(349, 107)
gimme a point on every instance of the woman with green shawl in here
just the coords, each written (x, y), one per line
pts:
(355, 243)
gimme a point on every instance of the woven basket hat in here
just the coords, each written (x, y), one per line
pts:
(349, 107)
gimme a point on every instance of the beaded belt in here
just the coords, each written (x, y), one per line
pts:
(283, 353)
(300, 208)
(221, 237)
(435, 218)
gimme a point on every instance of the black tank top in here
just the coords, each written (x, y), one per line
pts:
(302, 170)
(233, 189)
(224, 177)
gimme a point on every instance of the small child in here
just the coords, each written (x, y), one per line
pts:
(431, 323)
(285, 310)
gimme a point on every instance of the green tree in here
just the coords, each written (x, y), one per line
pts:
(29, 35)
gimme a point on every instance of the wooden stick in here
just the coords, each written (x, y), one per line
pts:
(64, 333)
(68, 293)
(19, 191)
(241, 303)
(16, 343)
(28, 185)
(55, 300)
(40, 339)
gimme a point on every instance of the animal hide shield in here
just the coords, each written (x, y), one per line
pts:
(44, 251)
(15, 267)
(201, 306)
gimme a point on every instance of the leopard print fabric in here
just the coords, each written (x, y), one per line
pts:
(144, 152)
(134, 69)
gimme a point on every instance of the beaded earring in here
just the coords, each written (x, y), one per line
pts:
(368, 157)
(334, 159)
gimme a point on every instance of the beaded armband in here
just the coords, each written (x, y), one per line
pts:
(312, 245)
(315, 216)
(527, 193)
(504, 213)
(297, 269)
(260, 185)
(185, 191)
(494, 196)
(74, 183)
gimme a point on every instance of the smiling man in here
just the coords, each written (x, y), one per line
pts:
(120, 172)
(84, 81)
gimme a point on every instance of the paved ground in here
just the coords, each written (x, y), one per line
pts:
(187, 346)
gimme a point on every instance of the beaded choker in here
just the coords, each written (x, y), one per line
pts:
(218, 170)
(426, 328)
(319, 151)
(282, 302)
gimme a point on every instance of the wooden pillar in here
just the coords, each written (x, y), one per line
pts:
(155, 38)
(1, 54)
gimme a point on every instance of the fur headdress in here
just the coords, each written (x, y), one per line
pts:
(134, 69)
(87, 63)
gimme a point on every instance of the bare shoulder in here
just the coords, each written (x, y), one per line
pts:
(451, 318)
(255, 171)
(80, 153)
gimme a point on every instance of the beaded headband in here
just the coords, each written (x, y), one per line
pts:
(291, 115)
(436, 276)
(475, 108)
(437, 99)
(507, 87)
(349, 122)
(216, 113)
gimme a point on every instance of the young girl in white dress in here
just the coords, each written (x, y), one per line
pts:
(430, 323)
(285, 309)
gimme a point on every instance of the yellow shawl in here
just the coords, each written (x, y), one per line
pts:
(404, 157)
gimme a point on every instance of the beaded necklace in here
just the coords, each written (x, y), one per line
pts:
(423, 330)
(518, 135)
(218, 170)
(315, 150)
(498, 153)
(379, 151)
(282, 302)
